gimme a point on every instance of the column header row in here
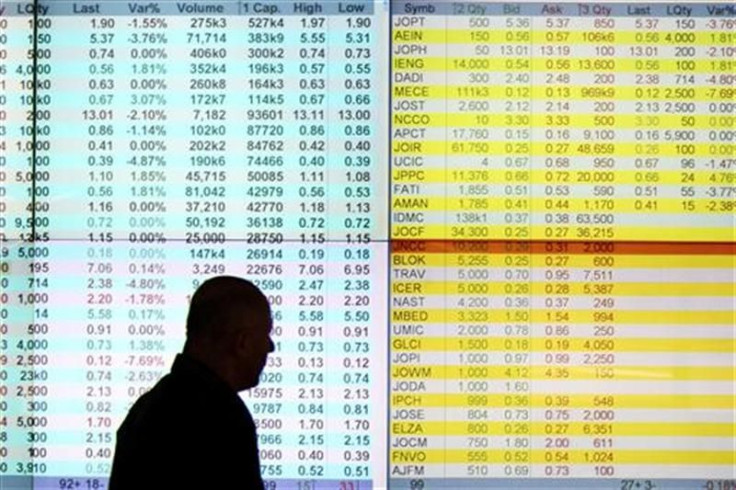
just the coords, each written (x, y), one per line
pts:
(193, 8)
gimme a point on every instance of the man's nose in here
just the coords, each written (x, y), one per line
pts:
(271, 346)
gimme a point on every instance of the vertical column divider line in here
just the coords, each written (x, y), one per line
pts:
(34, 122)
(389, 241)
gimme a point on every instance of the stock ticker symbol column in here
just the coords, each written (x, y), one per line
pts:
(417, 121)
(562, 243)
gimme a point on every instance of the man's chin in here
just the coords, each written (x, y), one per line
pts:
(252, 383)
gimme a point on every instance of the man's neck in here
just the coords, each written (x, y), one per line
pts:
(212, 363)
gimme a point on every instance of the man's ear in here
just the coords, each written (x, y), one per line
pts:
(242, 343)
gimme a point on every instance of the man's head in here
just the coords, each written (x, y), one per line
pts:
(228, 327)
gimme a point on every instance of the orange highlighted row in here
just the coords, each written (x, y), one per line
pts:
(562, 247)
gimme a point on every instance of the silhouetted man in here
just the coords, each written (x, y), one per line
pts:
(192, 430)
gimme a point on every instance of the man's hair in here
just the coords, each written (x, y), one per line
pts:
(219, 301)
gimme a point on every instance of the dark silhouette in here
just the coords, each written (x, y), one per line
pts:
(192, 430)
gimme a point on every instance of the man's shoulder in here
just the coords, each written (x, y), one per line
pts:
(174, 400)
(152, 406)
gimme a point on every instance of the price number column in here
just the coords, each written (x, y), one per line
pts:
(357, 177)
(97, 72)
(575, 141)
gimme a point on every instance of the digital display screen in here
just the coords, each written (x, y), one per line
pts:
(497, 238)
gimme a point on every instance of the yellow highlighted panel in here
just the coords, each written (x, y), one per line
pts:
(613, 289)
(459, 428)
(563, 148)
(562, 259)
(603, 456)
(625, 41)
(565, 92)
(652, 317)
(591, 345)
(539, 232)
(608, 372)
(560, 64)
(481, 119)
(565, 400)
(570, 177)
